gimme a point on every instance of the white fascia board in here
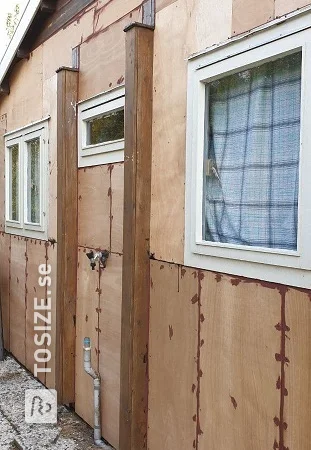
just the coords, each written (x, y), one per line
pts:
(18, 37)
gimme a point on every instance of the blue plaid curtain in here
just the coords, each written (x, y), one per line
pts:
(253, 141)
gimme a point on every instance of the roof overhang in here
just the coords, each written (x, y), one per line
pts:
(35, 10)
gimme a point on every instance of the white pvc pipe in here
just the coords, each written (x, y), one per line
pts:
(96, 377)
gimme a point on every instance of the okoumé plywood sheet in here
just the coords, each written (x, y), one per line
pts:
(248, 14)
(117, 197)
(18, 298)
(286, 6)
(239, 397)
(188, 27)
(297, 370)
(86, 326)
(102, 58)
(173, 349)
(110, 346)
(94, 207)
(5, 250)
(36, 256)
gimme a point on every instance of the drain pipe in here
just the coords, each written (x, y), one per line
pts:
(96, 378)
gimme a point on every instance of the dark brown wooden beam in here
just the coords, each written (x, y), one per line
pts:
(5, 86)
(48, 6)
(67, 232)
(22, 53)
(136, 264)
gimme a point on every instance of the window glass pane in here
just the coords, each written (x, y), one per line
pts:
(252, 156)
(33, 181)
(14, 182)
(109, 127)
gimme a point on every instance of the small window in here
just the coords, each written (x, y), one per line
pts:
(248, 161)
(101, 129)
(106, 128)
(26, 181)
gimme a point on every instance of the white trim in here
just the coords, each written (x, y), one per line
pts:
(22, 136)
(106, 152)
(27, 127)
(20, 32)
(287, 267)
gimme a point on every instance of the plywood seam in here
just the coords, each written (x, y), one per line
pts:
(281, 382)
(103, 30)
(200, 276)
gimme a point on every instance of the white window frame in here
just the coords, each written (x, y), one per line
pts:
(106, 152)
(262, 45)
(21, 137)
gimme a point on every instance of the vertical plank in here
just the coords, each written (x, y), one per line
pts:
(5, 243)
(3, 120)
(67, 194)
(239, 399)
(18, 298)
(117, 199)
(297, 411)
(285, 6)
(110, 347)
(136, 236)
(248, 14)
(172, 358)
(36, 253)
(94, 207)
(87, 326)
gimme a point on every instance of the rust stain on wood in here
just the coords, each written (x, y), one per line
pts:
(234, 402)
(282, 327)
(170, 332)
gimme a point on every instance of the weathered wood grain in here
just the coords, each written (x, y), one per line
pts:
(67, 218)
(18, 298)
(135, 279)
(172, 357)
(110, 347)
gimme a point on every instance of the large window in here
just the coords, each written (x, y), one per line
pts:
(26, 180)
(101, 128)
(247, 190)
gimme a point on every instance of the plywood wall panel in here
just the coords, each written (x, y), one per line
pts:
(297, 402)
(286, 6)
(173, 350)
(86, 326)
(238, 395)
(25, 86)
(187, 26)
(103, 58)
(248, 14)
(5, 243)
(117, 195)
(110, 12)
(94, 207)
(55, 53)
(36, 255)
(110, 347)
(50, 109)
(18, 298)
(161, 4)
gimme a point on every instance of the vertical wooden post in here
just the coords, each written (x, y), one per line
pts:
(67, 233)
(136, 267)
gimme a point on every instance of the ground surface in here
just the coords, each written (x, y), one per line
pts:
(70, 433)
